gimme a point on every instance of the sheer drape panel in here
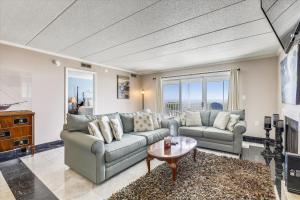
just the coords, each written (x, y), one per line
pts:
(158, 102)
(233, 96)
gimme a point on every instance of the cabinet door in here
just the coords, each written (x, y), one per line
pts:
(6, 145)
(6, 122)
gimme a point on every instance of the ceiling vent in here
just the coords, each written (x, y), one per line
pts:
(85, 65)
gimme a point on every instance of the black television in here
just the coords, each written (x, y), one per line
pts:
(284, 18)
(290, 76)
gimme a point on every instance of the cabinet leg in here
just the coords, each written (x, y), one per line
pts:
(32, 150)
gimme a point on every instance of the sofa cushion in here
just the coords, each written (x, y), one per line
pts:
(222, 120)
(192, 118)
(94, 129)
(232, 122)
(110, 115)
(104, 124)
(155, 120)
(205, 117)
(128, 144)
(79, 122)
(241, 113)
(191, 131)
(218, 134)
(212, 117)
(116, 128)
(143, 122)
(153, 136)
(127, 121)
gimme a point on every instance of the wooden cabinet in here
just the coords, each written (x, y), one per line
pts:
(16, 130)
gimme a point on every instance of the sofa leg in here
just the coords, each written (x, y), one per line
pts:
(240, 156)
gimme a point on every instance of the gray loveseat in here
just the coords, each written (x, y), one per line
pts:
(98, 161)
(209, 137)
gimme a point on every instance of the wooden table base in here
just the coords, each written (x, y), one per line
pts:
(172, 162)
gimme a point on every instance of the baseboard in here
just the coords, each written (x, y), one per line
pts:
(49, 145)
(257, 140)
(17, 153)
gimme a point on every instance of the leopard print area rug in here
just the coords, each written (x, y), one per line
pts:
(210, 177)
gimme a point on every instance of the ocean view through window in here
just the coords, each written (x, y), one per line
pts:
(195, 93)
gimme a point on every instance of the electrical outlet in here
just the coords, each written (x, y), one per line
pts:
(243, 97)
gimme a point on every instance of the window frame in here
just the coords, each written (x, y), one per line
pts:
(205, 78)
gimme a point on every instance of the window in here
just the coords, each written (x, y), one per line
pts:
(171, 96)
(197, 93)
(191, 94)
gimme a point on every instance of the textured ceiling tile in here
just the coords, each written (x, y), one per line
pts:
(227, 17)
(161, 15)
(21, 20)
(84, 18)
(242, 31)
(251, 47)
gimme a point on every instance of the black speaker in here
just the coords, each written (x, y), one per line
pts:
(292, 172)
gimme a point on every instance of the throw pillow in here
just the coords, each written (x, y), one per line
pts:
(182, 119)
(105, 129)
(192, 118)
(127, 121)
(232, 122)
(79, 122)
(221, 120)
(159, 119)
(155, 121)
(143, 122)
(116, 128)
(94, 129)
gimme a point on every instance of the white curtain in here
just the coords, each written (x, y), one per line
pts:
(233, 96)
(158, 103)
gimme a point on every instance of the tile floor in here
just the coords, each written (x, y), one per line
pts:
(63, 183)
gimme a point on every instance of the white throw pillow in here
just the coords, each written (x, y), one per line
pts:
(105, 129)
(192, 118)
(182, 117)
(116, 128)
(143, 122)
(232, 121)
(94, 129)
(155, 121)
(159, 119)
(221, 120)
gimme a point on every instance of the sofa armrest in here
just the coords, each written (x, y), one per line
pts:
(240, 127)
(84, 141)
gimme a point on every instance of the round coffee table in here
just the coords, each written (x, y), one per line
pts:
(181, 146)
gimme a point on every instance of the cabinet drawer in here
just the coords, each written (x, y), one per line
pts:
(22, 120)
(6, 145)
(20, 142)
(17, 132)
(6, 122)
(5, 134)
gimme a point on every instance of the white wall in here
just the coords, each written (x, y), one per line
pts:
(48, 86)
(258, 84)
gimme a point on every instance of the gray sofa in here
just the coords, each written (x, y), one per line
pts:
(209, 137)
(98, 161)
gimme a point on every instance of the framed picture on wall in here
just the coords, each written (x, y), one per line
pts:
(123, 87)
